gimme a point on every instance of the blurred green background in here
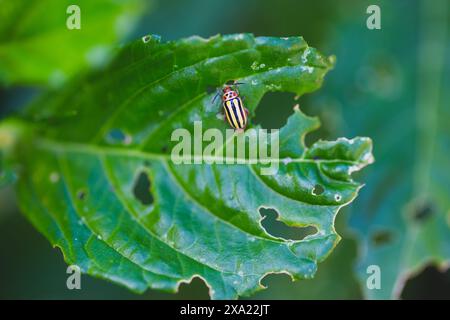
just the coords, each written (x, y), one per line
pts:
(373, 91)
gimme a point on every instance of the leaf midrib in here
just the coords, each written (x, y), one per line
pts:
(67, 147)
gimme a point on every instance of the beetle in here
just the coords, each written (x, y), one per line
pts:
(234, 111)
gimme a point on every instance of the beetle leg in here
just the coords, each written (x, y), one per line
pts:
(246, 111)
(240, 130)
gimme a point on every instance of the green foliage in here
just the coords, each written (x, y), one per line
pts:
(401, 218)
(36, 47)
(84, 150)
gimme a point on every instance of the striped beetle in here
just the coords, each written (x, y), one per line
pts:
(235, 112)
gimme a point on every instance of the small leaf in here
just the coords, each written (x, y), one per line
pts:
(98, 181)
(30, 29)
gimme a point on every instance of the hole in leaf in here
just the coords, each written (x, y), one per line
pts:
(431, 283)
(117, 136)
(280, 229)
(141, 189)
(276, 279)
(382, 237)
(423, 211)
(81, 194)
(274, 110)
(146, 38)
(318, 190)
(196, 289)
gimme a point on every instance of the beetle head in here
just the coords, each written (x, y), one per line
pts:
(229, 93)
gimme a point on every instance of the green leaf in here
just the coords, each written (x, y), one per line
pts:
(402, 217)
(91, 145)
(429, 211)
(36, 47)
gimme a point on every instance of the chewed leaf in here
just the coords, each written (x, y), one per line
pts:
(98, 179)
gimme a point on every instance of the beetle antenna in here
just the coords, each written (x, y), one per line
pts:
(215, 96)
